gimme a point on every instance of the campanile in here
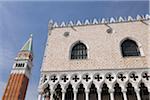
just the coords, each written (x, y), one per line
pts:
(20, 73)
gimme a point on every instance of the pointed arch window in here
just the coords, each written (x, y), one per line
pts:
(129, 48)
(79, 51)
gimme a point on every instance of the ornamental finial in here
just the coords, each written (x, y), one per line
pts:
(50, 24)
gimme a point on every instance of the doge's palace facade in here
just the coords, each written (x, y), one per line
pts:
(99, 59)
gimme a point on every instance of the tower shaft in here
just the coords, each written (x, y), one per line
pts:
(16, 87)
(19, 77)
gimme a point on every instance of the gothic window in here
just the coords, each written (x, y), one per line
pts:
(81, 92)
(69, 93)
(105, 92)
(93, 93)
(19, 64)
(145, 95)
(47, 92)
(131, 95)
(130, 48)
(118, 93)
(58, 94)
(79, 51)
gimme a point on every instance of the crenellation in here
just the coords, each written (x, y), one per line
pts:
(138, 17)
(121, 19)
(130, 18)
(78, 23)
(112, 20)
(147, 16)
(70, 23)
(63, 24)
(95, 21)
(104, 21)
(87, 22)
(55, 25)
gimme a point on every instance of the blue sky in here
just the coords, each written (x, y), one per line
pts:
(19, 19)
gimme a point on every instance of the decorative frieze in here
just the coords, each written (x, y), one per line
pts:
(110, 77)
(98, 78)
(99, 21)
(25, 72)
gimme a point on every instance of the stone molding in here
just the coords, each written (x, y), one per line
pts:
(110, 77)
(53, 24)
(25, 72)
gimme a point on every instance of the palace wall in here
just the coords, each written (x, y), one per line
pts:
(104, 50)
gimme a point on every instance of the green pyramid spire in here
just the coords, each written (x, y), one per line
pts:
(28, 45)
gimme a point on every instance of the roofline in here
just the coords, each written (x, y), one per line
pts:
(53, 24)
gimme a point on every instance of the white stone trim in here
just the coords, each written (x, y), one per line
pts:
(63, 24)
(87, 85)
(70, 23)
(87, 22)
(112, 20)
(119, 19)
(95, 21)
(78, 23)
(25, 72)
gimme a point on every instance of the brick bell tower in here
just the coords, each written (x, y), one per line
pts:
(19, 77)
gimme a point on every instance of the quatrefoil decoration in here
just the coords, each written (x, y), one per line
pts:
(44, 78)
(54, 78)
(146, 76)
(75, 78)
(64, 78)
(121, 77)
(134, 77)
(110, 77)
(98, 77)
(86, 78)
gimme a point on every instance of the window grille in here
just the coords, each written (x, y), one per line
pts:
(130, 48)
(79, 51)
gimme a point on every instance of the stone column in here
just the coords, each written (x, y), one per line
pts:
(149, 91)
(124, 94)
(111, 91)
(63, 95)
(43, 98)
(47, 98)
(86, 94)
(75, 94)
(99, 94)
(40, 97)
(138, 94)
(51, 96)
